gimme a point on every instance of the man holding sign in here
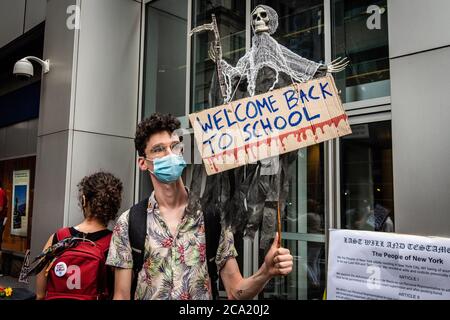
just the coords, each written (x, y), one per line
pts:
(172, 259)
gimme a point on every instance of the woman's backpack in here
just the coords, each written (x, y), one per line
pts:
(79, 273)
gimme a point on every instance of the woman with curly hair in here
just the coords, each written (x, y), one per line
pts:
(79, 271)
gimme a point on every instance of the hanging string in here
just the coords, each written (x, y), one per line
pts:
(237, 86)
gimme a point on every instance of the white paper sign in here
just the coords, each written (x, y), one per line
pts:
(366, 265)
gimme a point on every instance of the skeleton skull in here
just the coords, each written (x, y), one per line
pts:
(260, 20)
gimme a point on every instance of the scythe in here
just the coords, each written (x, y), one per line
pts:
(217, 49)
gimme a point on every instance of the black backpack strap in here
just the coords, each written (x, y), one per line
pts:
(137, 231)
(213, 230)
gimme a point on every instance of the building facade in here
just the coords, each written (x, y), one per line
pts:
(114, 62)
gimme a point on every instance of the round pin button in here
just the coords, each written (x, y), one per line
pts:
(60, 269)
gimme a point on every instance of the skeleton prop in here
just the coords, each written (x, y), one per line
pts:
(267, 52)
(250, 198)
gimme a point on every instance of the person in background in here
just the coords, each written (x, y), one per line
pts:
(80, 272)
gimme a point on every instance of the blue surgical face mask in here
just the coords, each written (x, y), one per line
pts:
(168, 169)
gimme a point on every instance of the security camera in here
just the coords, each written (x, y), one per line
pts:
(24, 68)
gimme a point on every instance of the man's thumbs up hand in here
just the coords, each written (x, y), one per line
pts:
(279, 261)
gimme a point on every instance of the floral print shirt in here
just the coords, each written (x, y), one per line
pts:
(175, 268)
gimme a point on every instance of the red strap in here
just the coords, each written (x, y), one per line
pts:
(63, 233)
(104, 242)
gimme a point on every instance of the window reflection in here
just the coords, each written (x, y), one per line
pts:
(305, 210)
(366, 156)
(301, 29)
(360, 32)
(367, 201)
(301, 26)
(164, 65)
(231, 22)
(165, 58)
(307, 281)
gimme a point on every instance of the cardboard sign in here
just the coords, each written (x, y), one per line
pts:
(270, 124)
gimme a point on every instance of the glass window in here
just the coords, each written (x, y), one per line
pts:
(305, 218)
(360, 32)
(307, 281)
(301, 29)
(232, 27)
(164, 65)
(165, 58)
(231, 23)
(301, 26)
(305, 211)
(367, 201)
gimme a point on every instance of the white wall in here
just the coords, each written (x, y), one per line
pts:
(420, 115)
(18, 17)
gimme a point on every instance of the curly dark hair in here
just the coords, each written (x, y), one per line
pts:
(156, 123)
(103, 193)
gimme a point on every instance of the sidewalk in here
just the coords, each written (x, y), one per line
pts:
(21, 291)
(10, 279)
(7, 281)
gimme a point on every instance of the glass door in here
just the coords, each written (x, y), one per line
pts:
(303, 231)
(366, 184)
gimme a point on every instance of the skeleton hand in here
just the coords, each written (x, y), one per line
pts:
(215, 52)
(337, 65)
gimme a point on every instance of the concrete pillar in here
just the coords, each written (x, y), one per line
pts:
(420, 67)
(89, 107)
